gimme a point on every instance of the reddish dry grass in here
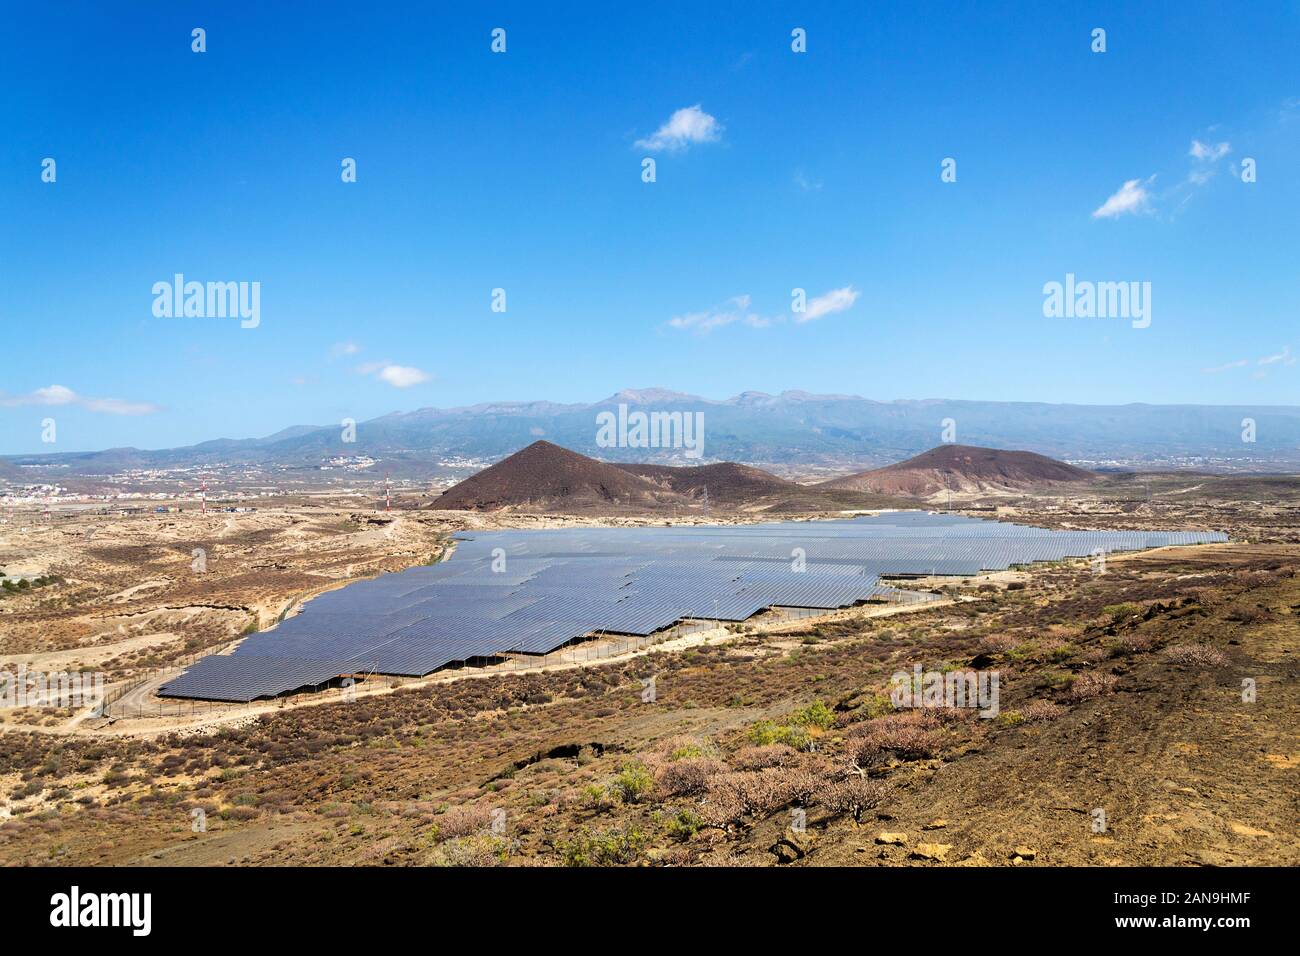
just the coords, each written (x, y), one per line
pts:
(1196, 655)
(687, 777)
(912, 735)
(853, 795)
(733, 796)
(463, 821)
(1039, 711)
(759, 758)
(1088, 686)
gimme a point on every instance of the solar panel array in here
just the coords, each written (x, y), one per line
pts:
(530, 592)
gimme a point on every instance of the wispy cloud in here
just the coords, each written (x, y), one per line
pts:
(340, 349)
(803, 182)
(1132, 197)
(1215, 369)
(1136, 196)
(837, 300)
(1209, 152)
(685, 128)
(1283, 358)
(735, 309)
(1207, 156)
(398, 376)
(55, 395)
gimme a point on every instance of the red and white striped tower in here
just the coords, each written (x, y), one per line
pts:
(388, 497)
(203, 499)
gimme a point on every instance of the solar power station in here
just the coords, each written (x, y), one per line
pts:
(530, 592)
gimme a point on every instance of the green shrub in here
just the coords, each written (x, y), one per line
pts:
(612, 848)
(684, 825)
(816, 714)
(633, 783)
(764, 733)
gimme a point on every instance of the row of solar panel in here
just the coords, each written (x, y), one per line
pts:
(559, 584)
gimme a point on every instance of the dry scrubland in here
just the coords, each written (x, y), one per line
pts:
(1119, 691)
(130, 599)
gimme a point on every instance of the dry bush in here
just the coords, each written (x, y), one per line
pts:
(853, 795)
(683, 777)
(478, 849)
(997, 643)
(1196, 655)
(911, 735)
(1088, 686)
(1131, 643)
(771, 755)
(1248, 615)
(1039, 711)
(944, 715)
(462, 821)
(732, 796)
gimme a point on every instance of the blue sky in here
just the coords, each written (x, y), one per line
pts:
(522, 171)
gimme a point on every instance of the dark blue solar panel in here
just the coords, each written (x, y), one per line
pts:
(564, 583)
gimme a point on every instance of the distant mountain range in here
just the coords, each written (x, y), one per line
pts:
(790, 430)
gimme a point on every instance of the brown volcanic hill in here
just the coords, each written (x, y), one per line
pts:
(962, 468)
(735, 486)
(727, 482)
(546, 477)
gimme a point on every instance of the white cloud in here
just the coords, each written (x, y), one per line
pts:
(1284, 357)
(1131, 197)
(1214, 370)
(806, 184)
(837, 300)
(402, 376)
(54, 395)
(735, 309)
(398, 376)
(685, 127)
(344, 348)
(1209, 152)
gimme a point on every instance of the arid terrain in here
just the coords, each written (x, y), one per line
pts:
(768, 743)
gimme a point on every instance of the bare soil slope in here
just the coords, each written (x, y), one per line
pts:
(544, 476)
(963, 468)
(725, 482)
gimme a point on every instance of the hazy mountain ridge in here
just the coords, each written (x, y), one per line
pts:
(792, 428)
